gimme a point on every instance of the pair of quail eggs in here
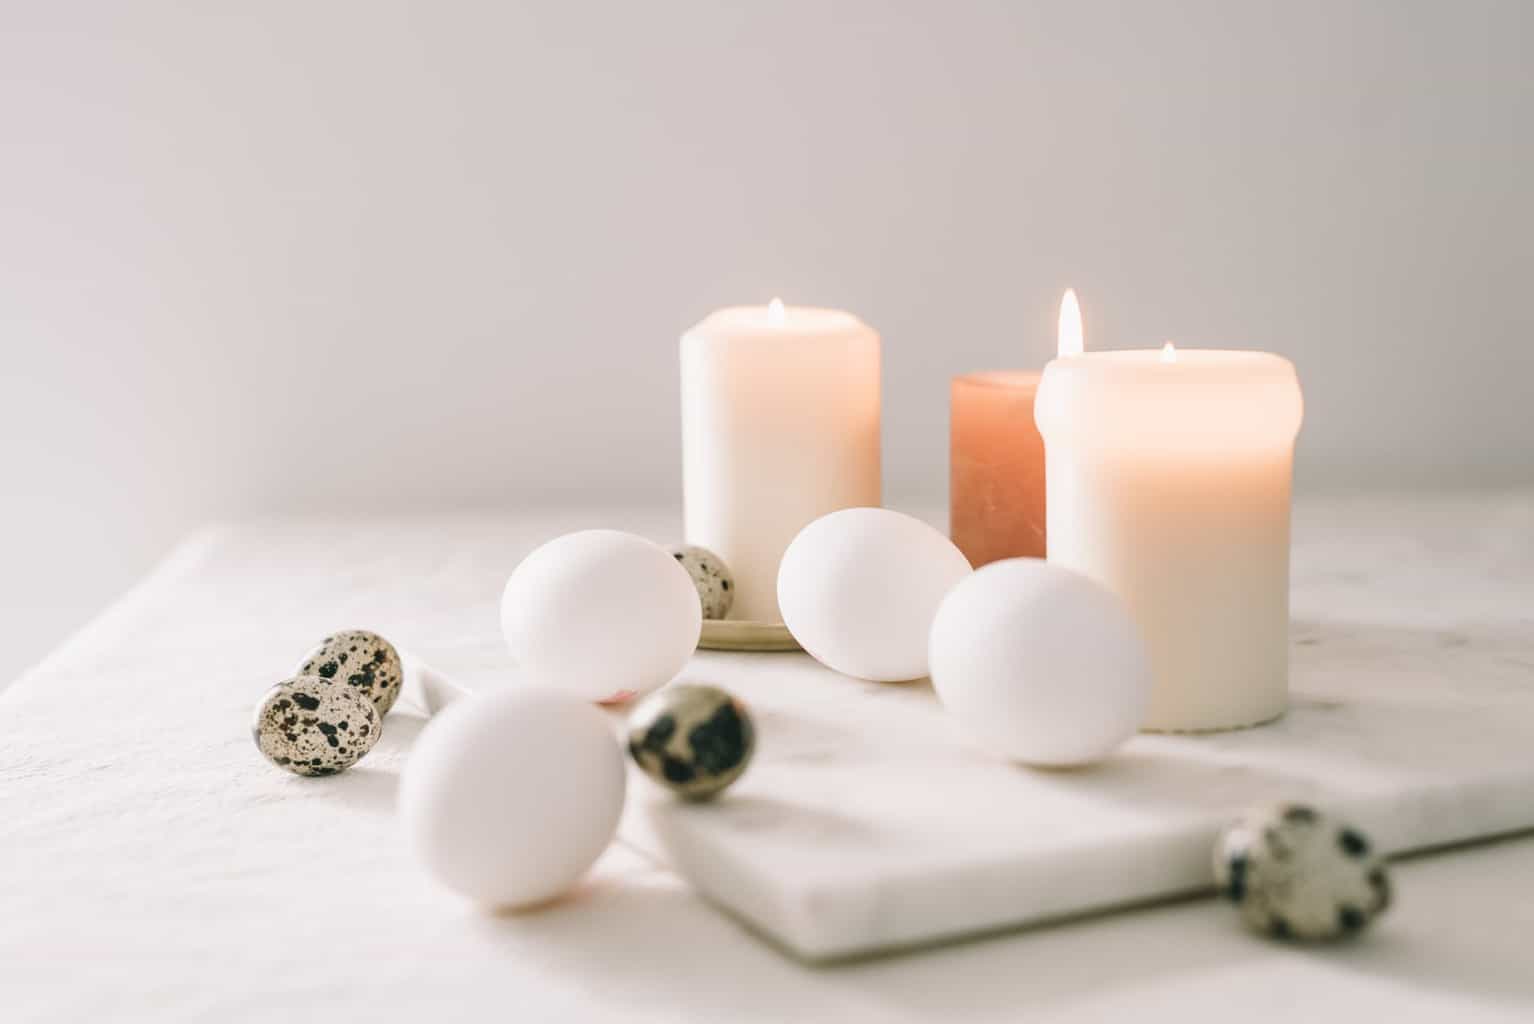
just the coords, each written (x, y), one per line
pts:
(330, 713)
(695, 740)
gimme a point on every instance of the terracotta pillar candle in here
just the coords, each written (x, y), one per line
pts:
(995, 467)
(996, 457)
(780, 425)
(1169, 477)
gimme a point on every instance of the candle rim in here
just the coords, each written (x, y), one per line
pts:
(999, 379)
(1127, 394)
(1191, 362)
(1188, 360)
(796, 319)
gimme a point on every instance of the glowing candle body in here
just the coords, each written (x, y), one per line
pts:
(1169, 482)
(780, 425)
(995, 467)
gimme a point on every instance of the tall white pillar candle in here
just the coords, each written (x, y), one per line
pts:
(1168, 475)
(780, 425)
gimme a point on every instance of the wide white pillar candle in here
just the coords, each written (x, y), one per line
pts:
(1168, 475)
(780, 425)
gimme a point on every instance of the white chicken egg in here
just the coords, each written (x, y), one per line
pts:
(510, 795)
(858, 589)
(1039, 664)
(601, 614)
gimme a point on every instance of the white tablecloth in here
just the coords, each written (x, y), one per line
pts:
(153, 867)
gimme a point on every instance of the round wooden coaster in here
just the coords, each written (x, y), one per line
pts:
(741, 635)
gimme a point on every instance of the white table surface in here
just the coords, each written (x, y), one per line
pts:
(153, 867)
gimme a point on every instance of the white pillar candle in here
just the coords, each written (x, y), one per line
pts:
(1168, 475)
(780, 425)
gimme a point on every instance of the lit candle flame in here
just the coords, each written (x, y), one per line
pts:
(775, 312)
(1071, 342)
(1168, 353)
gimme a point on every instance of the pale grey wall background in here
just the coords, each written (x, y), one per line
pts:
(359, 257)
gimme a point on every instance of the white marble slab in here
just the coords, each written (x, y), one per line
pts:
(868, 823)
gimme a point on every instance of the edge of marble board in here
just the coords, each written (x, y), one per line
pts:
(825, 925)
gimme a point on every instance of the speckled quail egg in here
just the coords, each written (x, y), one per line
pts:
(364, 661)
(1295, 873)
(716, 585)
(315, 726)
(693, 739)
